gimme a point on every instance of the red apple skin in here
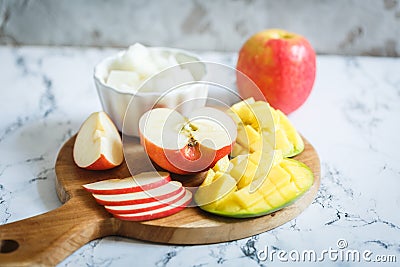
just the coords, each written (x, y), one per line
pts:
(165, 157)
(101, 164)
(154, 215)
(139, 201)
(281, 64)
(133, 211)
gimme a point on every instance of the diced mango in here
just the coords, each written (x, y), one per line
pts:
(279, 176)
(263, 115)
(242, 138)
(289, 191)
(222, 164)
(245, 198)
(259, 178)
(275, 199)
(282, 142)
(209, 177)
(265, 143)
(216, 190)
(244, 172)
(267, 187)
(239, 150)
(235, 117)
(244, 111)
(252, 134)
(259, 207)
(227, 204)
(275, 117)
(301, 174)
(291, 132)
(235, 161)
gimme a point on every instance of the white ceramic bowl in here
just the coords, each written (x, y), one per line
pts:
(116, 102)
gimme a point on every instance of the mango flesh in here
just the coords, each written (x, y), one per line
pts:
(286, 182)
(260, 125)
(265, 138)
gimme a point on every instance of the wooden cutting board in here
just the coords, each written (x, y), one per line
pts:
(48, 238)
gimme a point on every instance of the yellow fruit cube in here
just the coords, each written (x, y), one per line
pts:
(252, 134)
(265, 143)
(239, 150)
(275, 117)
(289, 191)
(260, 206)
(234, 117)
(301, 175)
(279, 176)
(235, 161)
(244, 172)
(282, 142)
(219, 188)
(226, 204)
(247, 199)
(242, 138)
(263, 115)
(267, 187)
(275, 199)
(245, 112)
(222, 164)
(209, 177)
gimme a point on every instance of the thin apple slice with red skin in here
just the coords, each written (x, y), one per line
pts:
(158, 213)
(140, 182)
(137, 208)
(159, 193)
(98, 145)
(187, 145)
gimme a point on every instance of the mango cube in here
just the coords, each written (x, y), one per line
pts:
(247, 199)
(279, 176)
(219, 188)
(222, 164)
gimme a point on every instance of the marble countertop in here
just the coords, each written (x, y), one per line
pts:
(351, 117)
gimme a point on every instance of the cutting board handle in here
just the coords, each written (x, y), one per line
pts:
(48, 238)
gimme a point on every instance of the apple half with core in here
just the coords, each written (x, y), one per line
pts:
(282, 64)
(190, 144)
(98, 145)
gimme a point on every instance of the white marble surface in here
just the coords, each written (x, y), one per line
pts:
(351, 117)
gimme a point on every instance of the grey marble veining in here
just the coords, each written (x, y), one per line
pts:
(368, 27)
(351, 117)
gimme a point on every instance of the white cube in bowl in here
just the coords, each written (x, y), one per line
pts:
(126, 87)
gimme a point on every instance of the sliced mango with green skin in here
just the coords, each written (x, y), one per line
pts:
(288, 180)
(292, 135)
(265, 137)
(220, 187)
(256, 121)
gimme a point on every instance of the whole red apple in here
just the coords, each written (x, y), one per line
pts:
(282, 64)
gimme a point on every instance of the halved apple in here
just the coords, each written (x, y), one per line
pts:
(140, 182)
(98, 145)
(159, 193)
(158, 213)
(185, 145)
(136, 208)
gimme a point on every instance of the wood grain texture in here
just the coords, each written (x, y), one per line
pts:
(48, 238)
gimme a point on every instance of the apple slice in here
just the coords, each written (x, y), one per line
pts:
(98, 145)
(158, 213)
(140, 182)
(159, 193)
(186, 145)
(136, 208)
